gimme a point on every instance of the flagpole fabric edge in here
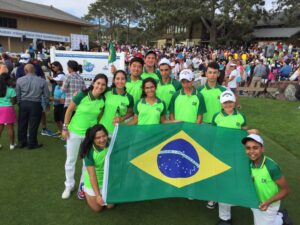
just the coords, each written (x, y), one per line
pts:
(106, 165)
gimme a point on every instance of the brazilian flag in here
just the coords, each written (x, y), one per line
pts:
(112, 53)
(178, 160)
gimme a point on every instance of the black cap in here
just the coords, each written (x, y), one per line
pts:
(136, 59)
(151, 52)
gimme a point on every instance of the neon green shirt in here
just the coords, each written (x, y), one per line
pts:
(165, 91)
(149, 114)
(87, 112)
(115, 106)
(155, 75)
(134, 88)
(10, 93)
(264, 177)
(212, 101)
(236, 120)
(95, 158)
(187, 107)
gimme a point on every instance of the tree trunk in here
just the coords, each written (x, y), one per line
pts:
(213, 34)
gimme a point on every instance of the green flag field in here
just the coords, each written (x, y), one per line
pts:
(32, 182)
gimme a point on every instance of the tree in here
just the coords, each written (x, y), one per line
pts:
(289, 9)
(214, 14)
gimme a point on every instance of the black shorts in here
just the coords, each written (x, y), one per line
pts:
(59, 113)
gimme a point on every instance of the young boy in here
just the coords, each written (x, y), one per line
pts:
(58, 102)
(187, 104)
(149, 69)
(270, 184)
(167, 86)
(229, 117)
(134, 82)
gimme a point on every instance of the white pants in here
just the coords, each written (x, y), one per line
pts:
(224, 211)
(73, 146)
(268, 217)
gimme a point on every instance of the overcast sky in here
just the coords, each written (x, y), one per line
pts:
(80, 8)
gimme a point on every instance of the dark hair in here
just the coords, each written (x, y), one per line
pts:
(213, 65)
(113, 85)
(57, 64)
(72, 64)
(136, 59)
(80, 69)
(149, 79)
(151, 52)
(97, 77)
(88, 140)
(4, 82)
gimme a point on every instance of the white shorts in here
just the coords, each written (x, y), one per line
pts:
(268, 217)
(90, 191)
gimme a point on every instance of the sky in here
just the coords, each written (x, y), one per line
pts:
(80, 8)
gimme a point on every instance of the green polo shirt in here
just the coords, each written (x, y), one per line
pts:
(10, 93)
(165, 91)
(212, 100)
(264, 177)
(187, 107)
(236, 120)
(88, 109)
(155, 75)
(115, 106)
(134, 88)
(95, 158)
(149, 114)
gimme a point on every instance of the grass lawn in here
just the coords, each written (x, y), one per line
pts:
(32, 181)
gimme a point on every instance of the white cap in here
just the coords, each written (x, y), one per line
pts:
(253, 137)
(60, 77)
(164, 61)
(186, 74)
(227, 96)
(232, 64)
(25, 58)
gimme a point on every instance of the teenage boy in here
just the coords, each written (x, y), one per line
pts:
(134, 82)
(270, 184)
(149, 68)
(211, 92)
(187, 104)
(167, 86)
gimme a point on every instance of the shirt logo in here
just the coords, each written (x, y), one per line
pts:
(123, 104)
(238, 124)
(158, 109)
(264, 180)
(194, 103)
(171, 92)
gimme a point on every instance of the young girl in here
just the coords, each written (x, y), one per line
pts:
(118, 103)
(89, 105)
(7, 111)
(93, 151)
(149, 109)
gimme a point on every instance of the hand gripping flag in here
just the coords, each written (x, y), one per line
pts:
(178, 160)
(112, 57)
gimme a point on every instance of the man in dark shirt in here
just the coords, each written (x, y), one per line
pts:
(30, 89)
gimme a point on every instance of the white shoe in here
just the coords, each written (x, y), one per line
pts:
(67, 193)
(12, 147)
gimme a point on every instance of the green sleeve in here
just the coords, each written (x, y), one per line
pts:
(245, 121)
(177, 85)
(172, 102)
(131, 101)
(202, 106)
(12, 93)
(214, 120)
(164, 111)
(77, 99)
(274, 169)
(158, 73)
(135, 108)
(89, 159)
